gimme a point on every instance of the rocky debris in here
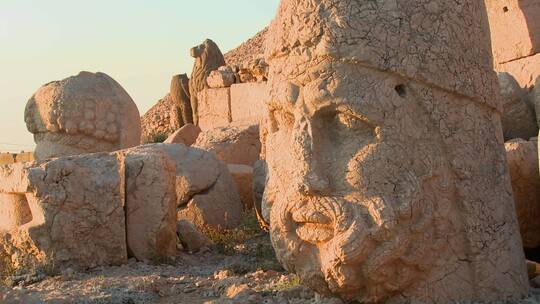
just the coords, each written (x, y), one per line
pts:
(186, 135)
(190, 237)
(180, 95)
(82, 114)
(255, 70)
(163, 119)
(243, 177)
(208, 58)
(522, 159)
(71, 213)
(251, 49)
(234, 144)
(150, 206)
(221, 78)
(385, 164)
(518, 117)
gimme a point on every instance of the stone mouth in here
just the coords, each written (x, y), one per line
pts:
(313, 226)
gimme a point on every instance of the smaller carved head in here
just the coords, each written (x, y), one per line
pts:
(81, 114)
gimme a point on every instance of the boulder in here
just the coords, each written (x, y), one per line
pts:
(243, 177)
(221, 78)
(522, 159)
(191, 238)
(234, 144)
(206, 194)
(518, 118)
(81, 114)
(186, 135)
(67, 212)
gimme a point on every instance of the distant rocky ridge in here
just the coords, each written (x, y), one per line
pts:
(251, 49)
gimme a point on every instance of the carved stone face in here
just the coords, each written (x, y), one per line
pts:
(358, 184)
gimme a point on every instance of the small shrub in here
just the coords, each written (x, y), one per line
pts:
(155, 138)
(227, 240)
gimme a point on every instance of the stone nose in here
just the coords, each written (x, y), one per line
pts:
(309, 178)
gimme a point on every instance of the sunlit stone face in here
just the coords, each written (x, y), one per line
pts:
(359, 188)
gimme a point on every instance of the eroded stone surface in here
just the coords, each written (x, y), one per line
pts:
(243, 177)
(394, 186)
(221, 78)
(248, 102)
(206, 194)
(208, 57)
(82, 114)
(522, 158)
(150, 203)
(234, 144)
(186, 135)
(192, 239)
(518, 117)
(214, 108)
(68, 212)
(180, 95)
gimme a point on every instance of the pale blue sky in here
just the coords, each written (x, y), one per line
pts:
(139, 43)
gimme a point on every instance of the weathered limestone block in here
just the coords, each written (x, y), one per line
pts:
(248, 102)
(518, 117)
(150, 203)
(523, 164)
(221, 78)
(515, 28)
(191, 239)
(208, 58)
(186, 135)
(234, 144)
(206, 194)
(214, 108)
(243, 177)
(82, 114)
(67, 212)
(387, 178)
(219, 207)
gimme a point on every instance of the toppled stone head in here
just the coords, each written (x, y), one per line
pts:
(82, 114)
(386, 170)
(208, 58)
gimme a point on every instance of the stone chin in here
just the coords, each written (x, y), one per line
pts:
(337, 246)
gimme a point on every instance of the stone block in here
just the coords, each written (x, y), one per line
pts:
(243, 177)
(248, 102)
(214, 108)
(67, 212)
(515, 28)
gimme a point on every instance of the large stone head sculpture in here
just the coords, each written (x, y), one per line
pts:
(82, 114)
(387, 177)
(208, 58)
